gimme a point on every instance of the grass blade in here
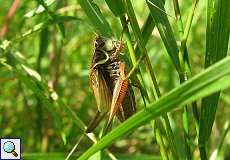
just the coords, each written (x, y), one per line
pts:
(116, 7)
(39, 27)
(211, 80)
(141, 45)
(165, 30)
(32, 80)
(217, 152)
(96, 18)
(53, 16)
(61, 156)
(217, 39)
(38, 10)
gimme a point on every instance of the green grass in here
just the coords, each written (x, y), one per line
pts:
(177, 55)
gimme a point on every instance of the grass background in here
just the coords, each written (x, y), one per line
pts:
(45, 54)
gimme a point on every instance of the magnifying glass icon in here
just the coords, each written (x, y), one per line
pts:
(9, 147)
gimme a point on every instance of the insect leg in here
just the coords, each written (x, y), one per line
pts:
(119, 92)
(95, 121)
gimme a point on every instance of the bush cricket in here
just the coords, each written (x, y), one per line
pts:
(111, 89)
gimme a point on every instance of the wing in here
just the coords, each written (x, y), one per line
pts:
(102, 95)
(101, 90)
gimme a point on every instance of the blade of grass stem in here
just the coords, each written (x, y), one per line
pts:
(185, 66)
(167, 36)
(216, 153)
(39, 27)
(41, 90)
(159, 139)
(217, 39)
(74, 148)
(141, 46)
(146, 30)
(182, 51)
(42, 50)
(134, 61)
(186, 70)
(116, 7)
(165, 30)
(53, 16)
(39, 9)
(209, 81)
(96, 17)
(132, 53)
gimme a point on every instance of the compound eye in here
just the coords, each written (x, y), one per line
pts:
(99, 43)
(109, 45)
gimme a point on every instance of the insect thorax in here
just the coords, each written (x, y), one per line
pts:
(106, 52)
(111, 71)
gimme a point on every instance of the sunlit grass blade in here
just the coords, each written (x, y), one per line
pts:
(216, 154)
(147, 29)
(146, 32)
(39, 27)
(116, 7)
(186, 73)
(141, 46)
(183, 53)
(44, 43)
(38, 10)
(53, 103)
(53, 16)
(46, 156)
(46, 102)
(96, 18)
(133, 56)
(165, 30)
(213, 79)
(61, 156)
(74, 148)
(175, 55)
(217, 39)
(155, 88)
(44, 38)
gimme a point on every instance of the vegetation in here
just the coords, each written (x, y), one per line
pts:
(177, 55)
